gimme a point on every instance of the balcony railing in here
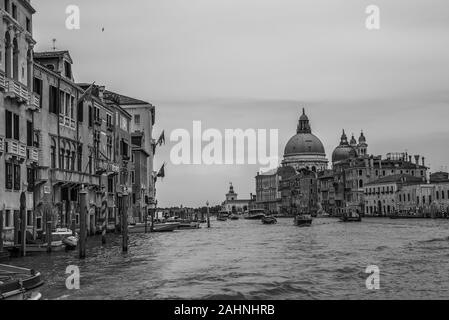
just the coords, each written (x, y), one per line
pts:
(33, 154)
(2, 80)
(16, 148)
(19, 90)
(63, 176)
(2, 144)
(34, 102)
(67, 122)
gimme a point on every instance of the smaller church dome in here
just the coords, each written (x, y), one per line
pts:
(345, 150)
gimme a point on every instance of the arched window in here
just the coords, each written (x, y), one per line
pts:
(15, 60)
(360, 183)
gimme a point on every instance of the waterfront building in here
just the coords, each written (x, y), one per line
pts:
(268, 195)
(139, 177)
(305, 150)
(18, 104)
(299, 193)
(233, 204)
(389, 194)
(143, 117)
(342, 188)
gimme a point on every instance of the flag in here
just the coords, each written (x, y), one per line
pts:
(161, 172)
(87, 93)
(161, 139)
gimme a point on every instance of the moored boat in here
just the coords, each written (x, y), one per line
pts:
(303, 220)
(255, 214)
(70, 242)
(234, 217)
(269, 220)
(19, 283)
(158, 227)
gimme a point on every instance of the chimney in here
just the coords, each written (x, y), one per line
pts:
(423, 161)
(410, 159)
(417, 160)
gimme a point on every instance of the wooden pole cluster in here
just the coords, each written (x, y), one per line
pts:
(124, 216)
(104, 217)
(23, 224)
(83, 225)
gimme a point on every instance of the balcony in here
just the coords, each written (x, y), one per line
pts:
(17, 90)
(34, 102)
(2, 144)
(16, 149)
(33, 154)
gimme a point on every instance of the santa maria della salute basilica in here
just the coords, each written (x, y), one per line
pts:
(354, 181)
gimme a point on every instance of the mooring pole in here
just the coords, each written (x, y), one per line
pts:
(82, 239)
(49, 236)
(208, 215)
(104, 216)
(146, 220)
(125, 222)
(1, 227)
(73, 227)
(23, 224)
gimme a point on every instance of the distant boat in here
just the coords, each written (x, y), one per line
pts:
(222, 216)
(19, 283)
(255, 214)
(189, 225)
(303, 220)
(351, 217)
(269, 220)
(158, 227)
(234, 217)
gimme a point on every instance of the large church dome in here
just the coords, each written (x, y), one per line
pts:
(304, 143)
(305, 149)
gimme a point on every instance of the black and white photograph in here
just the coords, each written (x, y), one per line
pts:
(224, 150)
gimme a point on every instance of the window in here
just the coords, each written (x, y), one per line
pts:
(53, 100)
(109, 148)
(28, 24)
(12, 125)
(91, 119)
(408, 197)
(30, 179)
(442, 194)
(8, 218)
(30, 134)
(80, 158)
(110, 184)
(39, 223)
(68, 69)
(7, 5)
(37, 88)
(14, 11)
(30, 218)
(137, 119)
(16, 177)
(437, 195)
(8, 175)
(133, 177)
(80, 112)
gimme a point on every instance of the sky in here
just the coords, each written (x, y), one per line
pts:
(254, 64)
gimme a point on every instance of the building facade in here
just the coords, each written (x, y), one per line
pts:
(18, 103)
(233, 204)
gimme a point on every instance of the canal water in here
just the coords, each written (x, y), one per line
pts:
(247, 260)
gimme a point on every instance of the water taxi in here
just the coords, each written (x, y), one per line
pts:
(255, 214)
(303, 220)
(19, 283)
